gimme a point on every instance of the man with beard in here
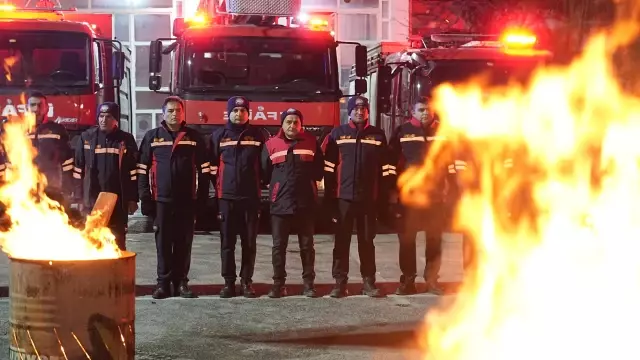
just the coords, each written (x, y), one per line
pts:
(293, 162)
(409, 146)
(55, 156)
(105, 161)
(235, 168)
(172, 158)
(356, 189)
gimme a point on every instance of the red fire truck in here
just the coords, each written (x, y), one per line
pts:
(399, 73)
(261, 50)
(68, 56)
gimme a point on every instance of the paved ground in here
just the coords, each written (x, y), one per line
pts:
(290, 328)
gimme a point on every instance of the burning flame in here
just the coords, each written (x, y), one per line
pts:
(40, 228)
(557, 273)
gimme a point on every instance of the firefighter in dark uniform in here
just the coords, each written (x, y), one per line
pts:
(235, 167)
(356, 170)
(55, 156)
(409, 145)
(172, 158)
(105, 161)
(293, 162)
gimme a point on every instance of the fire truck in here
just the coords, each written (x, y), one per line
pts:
(70, 57)
(259, 49)
(399, 73)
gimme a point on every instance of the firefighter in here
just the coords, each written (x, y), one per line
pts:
(235, 167)
(409, 145)
(54, 157)
(105, 161)
(292, 161)
(355, 186)
(172, 159)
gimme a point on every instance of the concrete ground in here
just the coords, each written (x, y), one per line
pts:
(294, 327)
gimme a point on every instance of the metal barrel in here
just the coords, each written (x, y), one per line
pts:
(68, 310)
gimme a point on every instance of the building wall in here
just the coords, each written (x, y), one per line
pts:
(137, 22)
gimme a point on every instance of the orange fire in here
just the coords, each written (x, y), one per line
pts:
(557, 235)
(40, 228)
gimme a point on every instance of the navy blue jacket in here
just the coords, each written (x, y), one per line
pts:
(171, 164)
(105, 162)
(55, 156)
(356, 164)
(409, 145)
(292, 168)
(235, 161)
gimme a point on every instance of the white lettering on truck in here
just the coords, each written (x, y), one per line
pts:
(12, 110)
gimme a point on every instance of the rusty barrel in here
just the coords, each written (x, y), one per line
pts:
(67, 310)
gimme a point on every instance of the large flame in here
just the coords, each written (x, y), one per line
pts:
(39, 227)
(557, 235)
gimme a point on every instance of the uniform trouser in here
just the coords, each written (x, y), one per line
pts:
(238, 217)
(434, 222)
(118, 225)
(175, 224)
(364, 215)
(281, 226)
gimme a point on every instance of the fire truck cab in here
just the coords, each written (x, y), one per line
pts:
(400, 73)
(262, 50)
(69, 57)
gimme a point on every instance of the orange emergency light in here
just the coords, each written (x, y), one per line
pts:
(518, 38)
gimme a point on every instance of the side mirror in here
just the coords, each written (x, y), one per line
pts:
(384, 89)
(361, 61)
(155, 56)
(118, 65)
(155, 65)
(155, 82)
(360, 86)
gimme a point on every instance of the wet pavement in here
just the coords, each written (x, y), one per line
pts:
(294, 327)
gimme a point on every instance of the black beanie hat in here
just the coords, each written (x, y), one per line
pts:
(290, 111)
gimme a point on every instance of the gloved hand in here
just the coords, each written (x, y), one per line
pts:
(148, 208)
(331, 206)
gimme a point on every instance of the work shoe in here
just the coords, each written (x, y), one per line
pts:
(161, 292)
(369, 288)
(183, 290)
(247, 290)
(277, 291)
(434, 289)
(228, 291)
(407, 286)
(339, 291)
(309, 291)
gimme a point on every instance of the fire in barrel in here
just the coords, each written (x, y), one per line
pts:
(72, 291)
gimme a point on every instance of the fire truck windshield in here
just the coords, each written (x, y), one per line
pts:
(44, 59)
(274, 64)
(490, 73)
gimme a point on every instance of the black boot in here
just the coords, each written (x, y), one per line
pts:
(407, 285)
(339, 291)
(369, 288)
(182, 289)
(277, 291)
(247, 289)
(162, 291)
(309, 290)
(229, 290)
